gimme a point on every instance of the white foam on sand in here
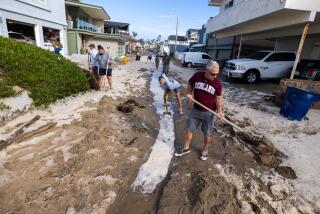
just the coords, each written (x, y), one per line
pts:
(152, 172)
(299, 140)
(127, 81)
(20, 103)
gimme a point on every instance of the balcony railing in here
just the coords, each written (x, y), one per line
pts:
(83, 25)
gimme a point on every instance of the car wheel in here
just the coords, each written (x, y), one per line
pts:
(189, 65)
(251, 76)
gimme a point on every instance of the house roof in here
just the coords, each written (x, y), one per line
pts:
(179, 38)
(192, 30)
(96, 12)
(115, 24)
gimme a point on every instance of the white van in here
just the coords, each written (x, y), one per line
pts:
(195, 59)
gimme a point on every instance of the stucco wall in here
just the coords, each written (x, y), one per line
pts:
(110, 45)
(311, 48)
(53, 12)
(51, 15)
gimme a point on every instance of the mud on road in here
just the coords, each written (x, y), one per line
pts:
(80, 167)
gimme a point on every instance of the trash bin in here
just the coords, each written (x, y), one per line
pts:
(138, 58)
(297, 103)
(125, 60)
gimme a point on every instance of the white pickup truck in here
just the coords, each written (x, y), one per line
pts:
(261, 65)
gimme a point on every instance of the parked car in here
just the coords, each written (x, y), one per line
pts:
(191, 59)
(308, 70)
(261, 65)
(21, 38)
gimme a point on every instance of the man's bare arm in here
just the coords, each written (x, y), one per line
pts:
(189, 92)
(219, 104)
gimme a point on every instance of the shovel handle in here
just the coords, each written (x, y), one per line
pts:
(216, 114)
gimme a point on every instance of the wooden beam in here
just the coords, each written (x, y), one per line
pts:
(240, 47)
(303, 38)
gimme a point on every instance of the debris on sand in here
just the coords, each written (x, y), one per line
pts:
(126, 142)
(128, 106)
(143, 69)
(286, 172)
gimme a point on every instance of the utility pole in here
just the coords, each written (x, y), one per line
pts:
(175, 46)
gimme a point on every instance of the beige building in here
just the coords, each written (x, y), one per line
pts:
(86, 25)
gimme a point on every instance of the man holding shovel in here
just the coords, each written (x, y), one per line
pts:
(207, 90)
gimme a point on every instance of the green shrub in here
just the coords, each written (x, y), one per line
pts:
(6, 90)
(46, 75)
(4, 107)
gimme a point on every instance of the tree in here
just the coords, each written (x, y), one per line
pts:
(134, 34)
(159, 38)
(141, 41)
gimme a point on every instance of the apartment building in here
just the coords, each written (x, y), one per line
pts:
(282, 23)
(37, 20)
(182, 43)
(192, 36)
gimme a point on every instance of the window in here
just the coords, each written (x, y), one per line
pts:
(230, 4)
(205, 56)
(276, 57)
(288, 57)
(258, 55)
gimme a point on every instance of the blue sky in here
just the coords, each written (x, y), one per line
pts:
(149, 18)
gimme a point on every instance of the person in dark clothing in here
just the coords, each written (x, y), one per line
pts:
(157, 61)
(166, 63)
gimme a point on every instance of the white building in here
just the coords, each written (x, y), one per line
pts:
(192, 36)
(279, 21)
(39, 20)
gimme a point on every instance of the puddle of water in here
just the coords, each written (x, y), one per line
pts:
(152, 172)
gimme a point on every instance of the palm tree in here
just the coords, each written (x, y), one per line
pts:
(134, 34)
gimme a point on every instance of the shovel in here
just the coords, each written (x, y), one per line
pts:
(256, 140)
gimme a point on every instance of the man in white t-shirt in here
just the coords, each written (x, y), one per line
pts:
(91, 56)
(93, 68)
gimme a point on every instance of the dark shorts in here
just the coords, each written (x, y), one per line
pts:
(177, 90)
(102, 72)
(197, 117)
(109, 73)
(149, 57)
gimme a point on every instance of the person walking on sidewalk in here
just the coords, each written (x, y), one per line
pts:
(171, 85)
(207, 89)
(166, 63)
(157, 61)
(102, 61)
(149, 54)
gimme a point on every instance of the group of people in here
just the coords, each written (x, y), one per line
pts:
(100, 65)
(206, 88)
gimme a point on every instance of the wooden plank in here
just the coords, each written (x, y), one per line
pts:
(303, 38)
